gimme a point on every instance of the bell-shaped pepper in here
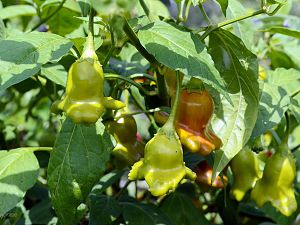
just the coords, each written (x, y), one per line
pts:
(84, 101)
(193, 115)
(128, 150)
(163, 166)
(276, 185)
(204, 176)
(246, 171)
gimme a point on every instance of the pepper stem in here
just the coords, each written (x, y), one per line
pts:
(283, 147)
(89, 51)
(170, 124)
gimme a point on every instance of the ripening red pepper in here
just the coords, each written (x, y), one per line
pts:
(194, 113)
(204, 176)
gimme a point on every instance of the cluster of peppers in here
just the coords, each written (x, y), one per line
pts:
(194, 112)
(84, 102)
(274, 184)
(162, 165)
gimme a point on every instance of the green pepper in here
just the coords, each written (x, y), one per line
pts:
(128, 150)
(84, 101)
(163, 167)
(246, 171)
(276, 185)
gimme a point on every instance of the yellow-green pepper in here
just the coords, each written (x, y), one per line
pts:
(276, 185)
(163, 167)
(128, 150)
(84, 101)
(246, 171)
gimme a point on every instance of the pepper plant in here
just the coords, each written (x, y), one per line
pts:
(174, 112)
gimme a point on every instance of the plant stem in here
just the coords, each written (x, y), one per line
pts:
(112, 47)
(146, 9)
(159, 109)
(276, 137)
(126, 79)
(49, 16)
(204, 14)
(162, 89)
(225, 23)
(295, 93)
(135, 41)
(170, 124)
(295, 148)
(150, 117)
(89, 51)
(107, 57)
(91, 22)
(118, 195)
(44, 89)
(180, 7)
(187, 10)
(76, 52)
(287, 128)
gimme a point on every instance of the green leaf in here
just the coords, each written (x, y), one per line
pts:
(156, 9)
(104, 209)
(295, 107)
(277, 217)
(181, 51)
(280, 58)
(56, 73)
(243, 29)
(17, 10)
(289, 79)
(76, 163)
(2, 30)
(41, 213)
(69, 4)
(223, 4)
(273, 104)
(107, 180)
(19, 170)
(61, 23)
(22, 56)
(136, 213)
(284, 30)
(108, 7)
(85, 6)
(239, 68)
(271, 2)
(180, 210)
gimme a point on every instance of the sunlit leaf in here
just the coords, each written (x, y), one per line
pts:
(239, 68)
(77, 161)
(22, 56)
(19, 170)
